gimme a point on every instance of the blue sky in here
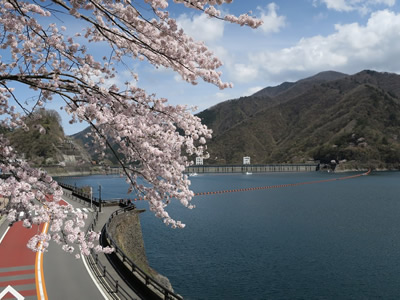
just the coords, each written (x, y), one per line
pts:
(298, 39)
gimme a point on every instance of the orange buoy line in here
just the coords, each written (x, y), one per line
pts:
(281, 185)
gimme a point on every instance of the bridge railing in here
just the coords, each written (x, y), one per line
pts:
(154, 286)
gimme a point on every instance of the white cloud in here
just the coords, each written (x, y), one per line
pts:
(363, 6)
(223, 54)
(352, 47)
(221, 96)
(272, 22)
(339, 5)
(201, 27)
(320, 16)
(252, 90)
(244, 72)
(178, 78)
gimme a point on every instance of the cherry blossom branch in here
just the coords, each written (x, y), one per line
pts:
(143, 128)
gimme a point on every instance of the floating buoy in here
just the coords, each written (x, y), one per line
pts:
(278, 186)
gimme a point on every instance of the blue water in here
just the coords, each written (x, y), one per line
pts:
(330, 240)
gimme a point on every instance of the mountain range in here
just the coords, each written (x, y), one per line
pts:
(352, 119)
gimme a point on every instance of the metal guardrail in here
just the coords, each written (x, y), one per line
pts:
(77, 192)
(4, 175)
(157, 288)
(109, 283)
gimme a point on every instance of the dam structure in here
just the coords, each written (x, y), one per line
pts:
(256, 168)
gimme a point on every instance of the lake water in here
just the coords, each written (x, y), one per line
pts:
(329, 240)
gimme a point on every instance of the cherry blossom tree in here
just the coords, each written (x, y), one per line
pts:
(154, 139)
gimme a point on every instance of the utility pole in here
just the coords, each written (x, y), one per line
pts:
(99, 198)
(91, 196)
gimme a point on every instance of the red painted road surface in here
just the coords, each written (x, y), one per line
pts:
(17, 263)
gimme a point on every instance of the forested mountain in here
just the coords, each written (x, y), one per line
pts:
(353, 118)
(87, 142)
(49, 147)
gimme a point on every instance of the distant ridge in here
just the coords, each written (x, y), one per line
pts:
(320, 77)
(328, 116)
(351, 119)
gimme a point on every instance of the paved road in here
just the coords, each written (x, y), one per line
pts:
(17, 264)
(64, 277)
(67, 277)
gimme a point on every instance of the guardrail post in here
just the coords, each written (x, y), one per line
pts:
(104, 271)
(116, 286)
(97, 258)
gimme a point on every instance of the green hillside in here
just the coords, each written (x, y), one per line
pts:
(352, 119)
(346, 118)
(49, 148)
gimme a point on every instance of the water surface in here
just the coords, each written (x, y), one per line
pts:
(331, 240)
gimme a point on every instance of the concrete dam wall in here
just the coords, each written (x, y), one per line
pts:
(252, 168)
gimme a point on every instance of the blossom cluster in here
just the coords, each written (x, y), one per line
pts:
(34, 198)
(151, 139)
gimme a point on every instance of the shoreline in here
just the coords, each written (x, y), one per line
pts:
(365, 170)
(63, 172)
(89, 173)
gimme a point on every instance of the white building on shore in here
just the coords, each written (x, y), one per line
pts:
(199, 161)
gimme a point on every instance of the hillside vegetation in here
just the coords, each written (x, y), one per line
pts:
(352, 119)
(330, 116)
(86, 141)
(51, 147)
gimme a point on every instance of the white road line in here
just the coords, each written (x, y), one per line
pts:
(99, 287)
(8, 228)
(85, 209)
(12, 291)
(78, 209)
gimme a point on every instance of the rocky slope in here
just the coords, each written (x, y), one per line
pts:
(127, 233)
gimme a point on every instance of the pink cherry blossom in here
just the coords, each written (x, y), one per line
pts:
(155, 140)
